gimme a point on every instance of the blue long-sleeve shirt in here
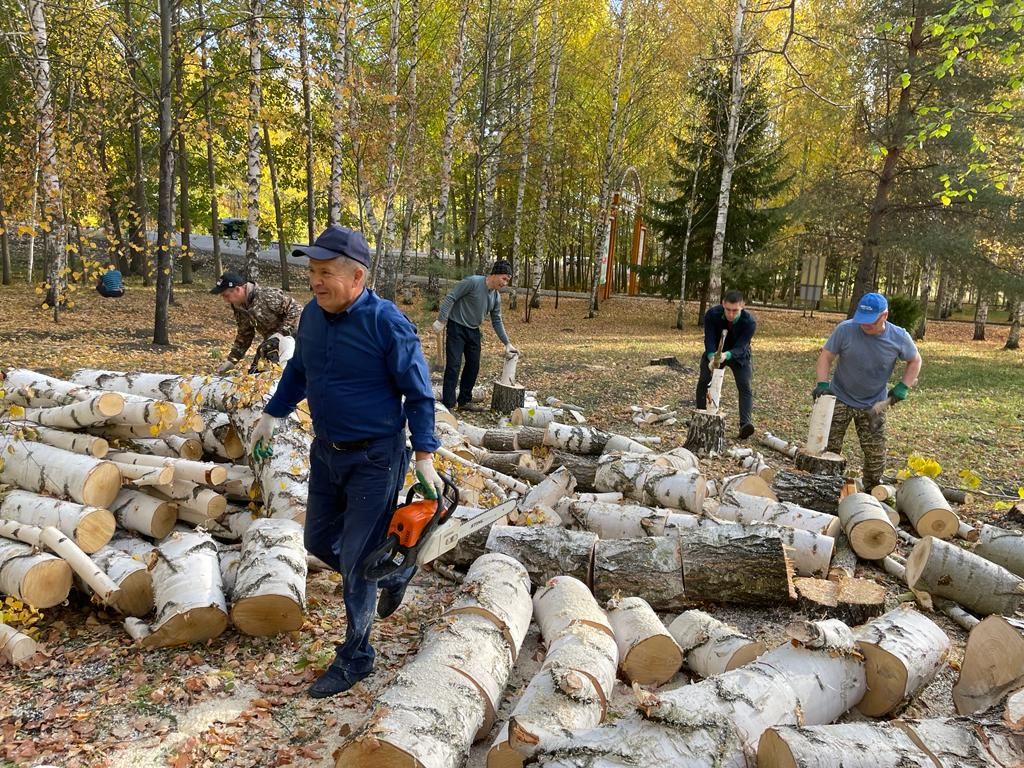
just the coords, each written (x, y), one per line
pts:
(354, 368)
(740, 332)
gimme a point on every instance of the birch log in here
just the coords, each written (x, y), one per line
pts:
(946, 570)
(137, 475)
(755, 509)
(563, 601)
(711, 647)
(903, 651)
(37, 390)
(15, 647)
(497, 587)
(139, 512)
(866, 523)
(639, 477)
(219, 437)
(85, 413)
(850, 745)
(819, 425)
(718, 567)
(1006, 548)
(648, 654)
(556, 485)
(89, 527)
(623, 444)
(205, 503)
(778, 444)
(171, 446)
(284, 477)
(576, 438)
(133, 580)
(76, 442)
(649, 566)
(535, 416)
(818, 492)
(993, 664)
(36, 578)
(706, 433)
(51, 538)
(188, 592)
(206, 473)
(37, 467)
(619, 521)
(718, 722)
(269, 595)
(212, 391)
(923, 504)
(545, 551)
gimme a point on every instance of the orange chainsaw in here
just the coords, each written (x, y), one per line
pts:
(422, 530)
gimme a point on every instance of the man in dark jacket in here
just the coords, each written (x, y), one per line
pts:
(740, 326)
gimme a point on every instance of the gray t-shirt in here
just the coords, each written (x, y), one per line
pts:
(866, 362)
(469, 301)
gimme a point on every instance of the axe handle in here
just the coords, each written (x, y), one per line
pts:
(718, 352)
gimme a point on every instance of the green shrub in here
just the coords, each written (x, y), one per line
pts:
(904, 311)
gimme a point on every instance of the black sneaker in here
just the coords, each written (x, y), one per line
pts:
(746, 431)
(334, 681)
(389, 600)
(473, 407)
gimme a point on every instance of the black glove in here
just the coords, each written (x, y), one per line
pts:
(268, 350)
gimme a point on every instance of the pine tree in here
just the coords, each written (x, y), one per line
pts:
(757, 183)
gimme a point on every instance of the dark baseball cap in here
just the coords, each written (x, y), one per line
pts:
(501, 267)
(337, 241)
(228, 280)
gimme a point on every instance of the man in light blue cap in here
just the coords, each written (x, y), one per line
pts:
(867, 348)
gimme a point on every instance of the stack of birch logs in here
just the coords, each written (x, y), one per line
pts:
(127, 486)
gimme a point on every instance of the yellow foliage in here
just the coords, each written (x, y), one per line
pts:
(921, 465)
(970, 481)
(21, 616)
(16, 411)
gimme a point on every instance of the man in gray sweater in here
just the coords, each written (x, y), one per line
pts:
(462, 312)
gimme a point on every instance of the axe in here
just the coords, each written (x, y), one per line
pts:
(875, 411)
(718, 352)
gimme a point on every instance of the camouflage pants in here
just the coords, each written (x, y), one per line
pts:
(870, 433)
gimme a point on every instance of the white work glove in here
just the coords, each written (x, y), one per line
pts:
(428, 478)
(438, 326)
(261, 436)
(510, 350)
(225, 367)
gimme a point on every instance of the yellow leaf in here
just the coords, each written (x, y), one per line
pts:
(17, 411)
(154, 430)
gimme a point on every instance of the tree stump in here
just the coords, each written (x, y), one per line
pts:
(827, 463)
(706, 436)
(505, 398)
(820, 492)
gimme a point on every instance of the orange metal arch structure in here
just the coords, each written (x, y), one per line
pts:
(639, 234)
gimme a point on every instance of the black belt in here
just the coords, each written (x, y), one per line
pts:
(348, 446)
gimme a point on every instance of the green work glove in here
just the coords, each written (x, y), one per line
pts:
(726, 356)
(900, 391)
(711, 356)
(821, 388)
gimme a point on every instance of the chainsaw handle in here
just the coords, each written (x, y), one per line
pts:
(450, 494)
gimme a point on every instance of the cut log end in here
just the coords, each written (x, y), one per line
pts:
(266, 615)
(98, 447)
(233, 447)
(872, 539)
(109, 404)
(653, 661)
(102, 485)
(888, 678)
(373, 753)
(46, 584)
(163, 520)
(852, 600)
(136, 595)
(94, 530)
(745, 655)
(194, 626)
(772, 750)
(940, 523)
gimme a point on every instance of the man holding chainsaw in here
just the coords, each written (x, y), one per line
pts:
(462, 311)
(728, 330)
(359, 365)
(867, 348)
(268, 310)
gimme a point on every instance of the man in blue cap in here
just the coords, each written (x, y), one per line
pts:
(867, 348)
(359, 365)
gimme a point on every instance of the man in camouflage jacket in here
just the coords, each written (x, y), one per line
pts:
(270, 311)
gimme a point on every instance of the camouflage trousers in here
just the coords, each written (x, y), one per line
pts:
(870, 433)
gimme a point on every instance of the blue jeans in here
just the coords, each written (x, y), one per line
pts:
(352, 495)
(742, 372)
(460, 341)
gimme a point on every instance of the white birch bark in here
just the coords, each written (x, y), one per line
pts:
(96, 410)
(76, 442)
(269, 594)
(132, 577)
(338, 113)
(36, 467)
(1003, 547)
(866, 523)
(207, 473)
(201, 391)
(710, 646)
(139, 512)
(385, 268)
(946, 570)
(36, 578)
(755, 509)
(15, 647)
(254, 40)
(497, 587)
(921, 500)
(89, 527)
(993, 664)
(648, 653)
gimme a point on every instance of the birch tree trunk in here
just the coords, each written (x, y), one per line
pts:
(338, 113)
(526, 108)
(254, 40)
(540, 238)
(282, 244)
(211, 165)
(927, 274)
(980, 317)
(355, 90)
(601, 254)
(307, 120)
(691, 204)
(165, 195)
(413, 137)
(385, 269)
(1016, 318)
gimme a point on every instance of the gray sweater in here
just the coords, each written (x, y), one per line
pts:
(468, 302)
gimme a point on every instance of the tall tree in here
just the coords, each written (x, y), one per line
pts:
(165, 203)
(254, 39)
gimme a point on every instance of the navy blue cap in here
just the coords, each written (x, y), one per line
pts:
(337, 241)
(228, 280)
(501, 267)
(869, 308)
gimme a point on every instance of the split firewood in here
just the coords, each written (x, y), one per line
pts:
(16, 647)
(89, 527)
(637, 476)
(844, 560)
(753, 509)
(506, 394)
(922, 502)
(545, 551)
(188, 592)
(868, 528)
(819, 425)
(993, 664)
(575, 438)
(142, 513)
(748, 483)
(853, 601)
(555, 486)
(37, 467)
(946, 570)
(132, 577)
(820, 492)
(497, 587)
(650, 566)
(205, 473)
(219, 437)
(951, 742)
(711, 647)
(36, 578)
(77, 415)
(49, 537)
(648, 654)
(717, 722)
(1003, 547)
(216, 392)
(903, 651)
(76, 442)
(780, 445)
(269, 594)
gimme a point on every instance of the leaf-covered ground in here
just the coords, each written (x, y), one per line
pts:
(96, 700)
